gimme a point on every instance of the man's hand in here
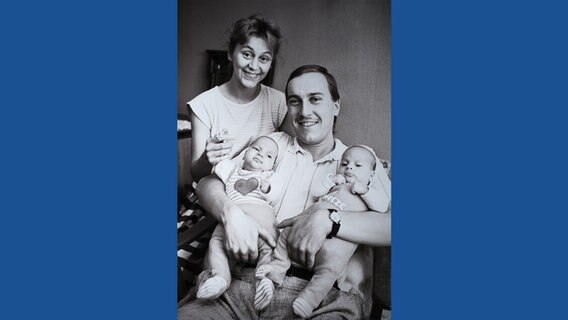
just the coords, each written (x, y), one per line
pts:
(241, 236)
(307, 235)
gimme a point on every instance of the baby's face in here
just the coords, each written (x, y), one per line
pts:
(260, 156)
(357, 165)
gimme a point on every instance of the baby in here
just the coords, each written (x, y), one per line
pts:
(252, 187)
(350, 190)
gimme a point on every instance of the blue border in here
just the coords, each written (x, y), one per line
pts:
(479, 140)
(89, 159)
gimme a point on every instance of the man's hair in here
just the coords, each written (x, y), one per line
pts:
(255, 25)
(331, 82)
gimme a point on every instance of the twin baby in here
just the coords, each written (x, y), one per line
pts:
(253, 186)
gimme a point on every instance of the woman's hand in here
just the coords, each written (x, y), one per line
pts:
(241, 236)
(218, 147)
(307, 235)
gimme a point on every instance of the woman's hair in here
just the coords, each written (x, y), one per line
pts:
(331, 83)
(258, 26)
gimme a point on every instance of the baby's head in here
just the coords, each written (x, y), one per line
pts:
(358, 164)
(261, 154)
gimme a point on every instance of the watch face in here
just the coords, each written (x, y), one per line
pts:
(335, 217)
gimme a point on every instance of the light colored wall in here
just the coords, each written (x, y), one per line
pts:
(349, 37)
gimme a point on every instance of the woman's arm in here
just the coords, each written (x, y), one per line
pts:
(241, 231)
(206, 151)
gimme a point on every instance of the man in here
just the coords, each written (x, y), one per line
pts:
(313, 103)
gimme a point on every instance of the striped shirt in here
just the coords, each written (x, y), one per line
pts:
(244, 122)
(243, 186)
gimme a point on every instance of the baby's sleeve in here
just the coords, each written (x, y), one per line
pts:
(277, 186)
(379, 195)
(224, 169)
(376, 199)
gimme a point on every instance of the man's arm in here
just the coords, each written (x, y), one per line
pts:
(241, 231)
(369, 228)
(310, 228)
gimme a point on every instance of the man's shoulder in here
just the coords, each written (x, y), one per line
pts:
(339, 145)
(281, 138)
(339, 149)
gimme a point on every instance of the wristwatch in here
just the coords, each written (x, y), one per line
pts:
(336, 219)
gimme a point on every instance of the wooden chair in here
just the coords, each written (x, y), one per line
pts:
(194, 231)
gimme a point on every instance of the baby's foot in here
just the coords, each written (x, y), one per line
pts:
(212, 288)
(301, 308)
(262, 271)
(264, 292)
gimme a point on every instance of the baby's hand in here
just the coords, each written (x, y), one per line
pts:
(218, 147)
(359, 188)
(264, 185)
(222, 135)
(338, 179)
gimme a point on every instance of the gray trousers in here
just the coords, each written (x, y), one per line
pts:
(238, 302)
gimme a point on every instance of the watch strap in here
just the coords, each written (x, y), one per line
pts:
(334, 227)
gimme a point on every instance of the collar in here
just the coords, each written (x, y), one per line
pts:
(334, 155)
(244, 172)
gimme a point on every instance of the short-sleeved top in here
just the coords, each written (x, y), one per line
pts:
(302, 190)
(243, 186)
(245, 122)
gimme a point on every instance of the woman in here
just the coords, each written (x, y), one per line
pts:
(226, 118)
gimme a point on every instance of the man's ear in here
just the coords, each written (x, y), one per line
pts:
(229, 56)
(336, 107)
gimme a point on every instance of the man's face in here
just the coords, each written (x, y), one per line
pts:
(357, 165)
(311, 108)
(260, 156)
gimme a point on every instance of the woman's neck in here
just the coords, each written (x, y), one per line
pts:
(319, 150)
(234, 91)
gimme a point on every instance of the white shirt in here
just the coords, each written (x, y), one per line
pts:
(301, 191)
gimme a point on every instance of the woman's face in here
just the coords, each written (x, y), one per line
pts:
(251, 62)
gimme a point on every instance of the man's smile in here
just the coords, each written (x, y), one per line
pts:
(307, 123)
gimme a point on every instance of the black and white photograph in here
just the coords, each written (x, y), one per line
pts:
(284, 159)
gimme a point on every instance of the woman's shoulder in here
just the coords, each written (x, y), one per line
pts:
(272, 93)
(206, 96)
